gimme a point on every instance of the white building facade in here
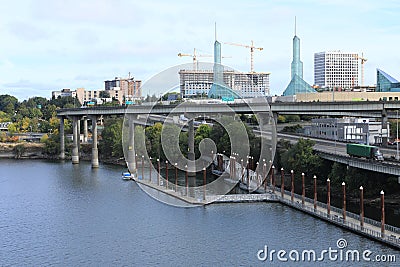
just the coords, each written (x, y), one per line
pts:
(336, 69)
(248, 85)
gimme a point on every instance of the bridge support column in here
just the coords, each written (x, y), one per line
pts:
(85, 130)
(384, 128)
(95, 151)
(75, 140)
(79, 136)
(131, 158)
(191, 155)
(62, 138)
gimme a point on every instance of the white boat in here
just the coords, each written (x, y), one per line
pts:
(127, 176)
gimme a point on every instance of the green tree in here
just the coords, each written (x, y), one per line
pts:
(140, 140)
(4, 117)
(49, 111)
(111, 141)
(8, 103)
(203, 131)
(301, 158)
(153, 141)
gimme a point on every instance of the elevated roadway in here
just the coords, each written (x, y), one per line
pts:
(365, 108)
(336, 151)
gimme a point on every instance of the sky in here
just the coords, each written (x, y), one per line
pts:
(48, 45)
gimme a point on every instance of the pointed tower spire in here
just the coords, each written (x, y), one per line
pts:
(215, 30)
(295, 26)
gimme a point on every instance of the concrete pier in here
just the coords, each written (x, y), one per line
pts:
(85, 129)
(191, 155)
(95, 151)
(62, 138)
(75, 140)
(131, 156)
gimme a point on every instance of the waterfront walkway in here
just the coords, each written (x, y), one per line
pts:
(201, 195)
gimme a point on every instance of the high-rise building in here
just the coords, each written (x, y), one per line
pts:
(129, 87)
(297, 85)
(336, 69)
(247, 85)
(222, 83)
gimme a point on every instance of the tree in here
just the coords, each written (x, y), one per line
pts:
(8, 103)
(140, 140)
(301, 158)
(153, 141)
(4, 117)
(201, 133)
(111, 141)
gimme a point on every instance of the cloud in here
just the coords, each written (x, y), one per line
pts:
(24, 89)
(26, 31)
(105, 12)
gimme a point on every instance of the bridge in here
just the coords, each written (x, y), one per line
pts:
(376, 109)
(336, 151)
(383, 110)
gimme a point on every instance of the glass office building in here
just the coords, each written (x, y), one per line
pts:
(386, 83)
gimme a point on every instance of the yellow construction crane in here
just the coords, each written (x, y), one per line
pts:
(252, 47)
(194, 56)
(363, 60)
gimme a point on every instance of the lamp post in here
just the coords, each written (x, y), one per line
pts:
(344, 200)
(176, 176)
(382, 213)
(282, 183)
(166, 174)
(241, 170)
(204, 184)
(292, 185)
(315, 192)
(273, 178)
(142, 167)
(303, 189)
(328, 202)
(158, 175)
(361, 207)
(186, 180)
(150, 165)
(257, 179)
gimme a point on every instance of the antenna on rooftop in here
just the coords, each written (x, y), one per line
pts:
(294, 25)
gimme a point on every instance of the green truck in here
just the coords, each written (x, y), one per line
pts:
(364, 151)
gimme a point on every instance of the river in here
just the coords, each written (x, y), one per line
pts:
(59, 214)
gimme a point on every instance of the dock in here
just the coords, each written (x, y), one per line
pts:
(259, 192)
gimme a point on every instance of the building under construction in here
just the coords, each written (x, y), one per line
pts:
(247, 85)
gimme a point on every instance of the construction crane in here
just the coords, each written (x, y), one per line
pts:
(252, 47)
(363, 60)
(194, 56)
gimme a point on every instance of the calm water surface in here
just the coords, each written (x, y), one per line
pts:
(59, 214)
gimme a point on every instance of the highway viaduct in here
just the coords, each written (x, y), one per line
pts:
(378, 109)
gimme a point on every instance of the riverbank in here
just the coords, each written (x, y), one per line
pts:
(23, 150)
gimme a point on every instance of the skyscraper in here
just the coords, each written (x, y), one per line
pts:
(336, 69)
(219, 89)
(297, 84)
(297, 65)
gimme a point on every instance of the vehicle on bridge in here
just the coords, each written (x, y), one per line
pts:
(364, 151)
